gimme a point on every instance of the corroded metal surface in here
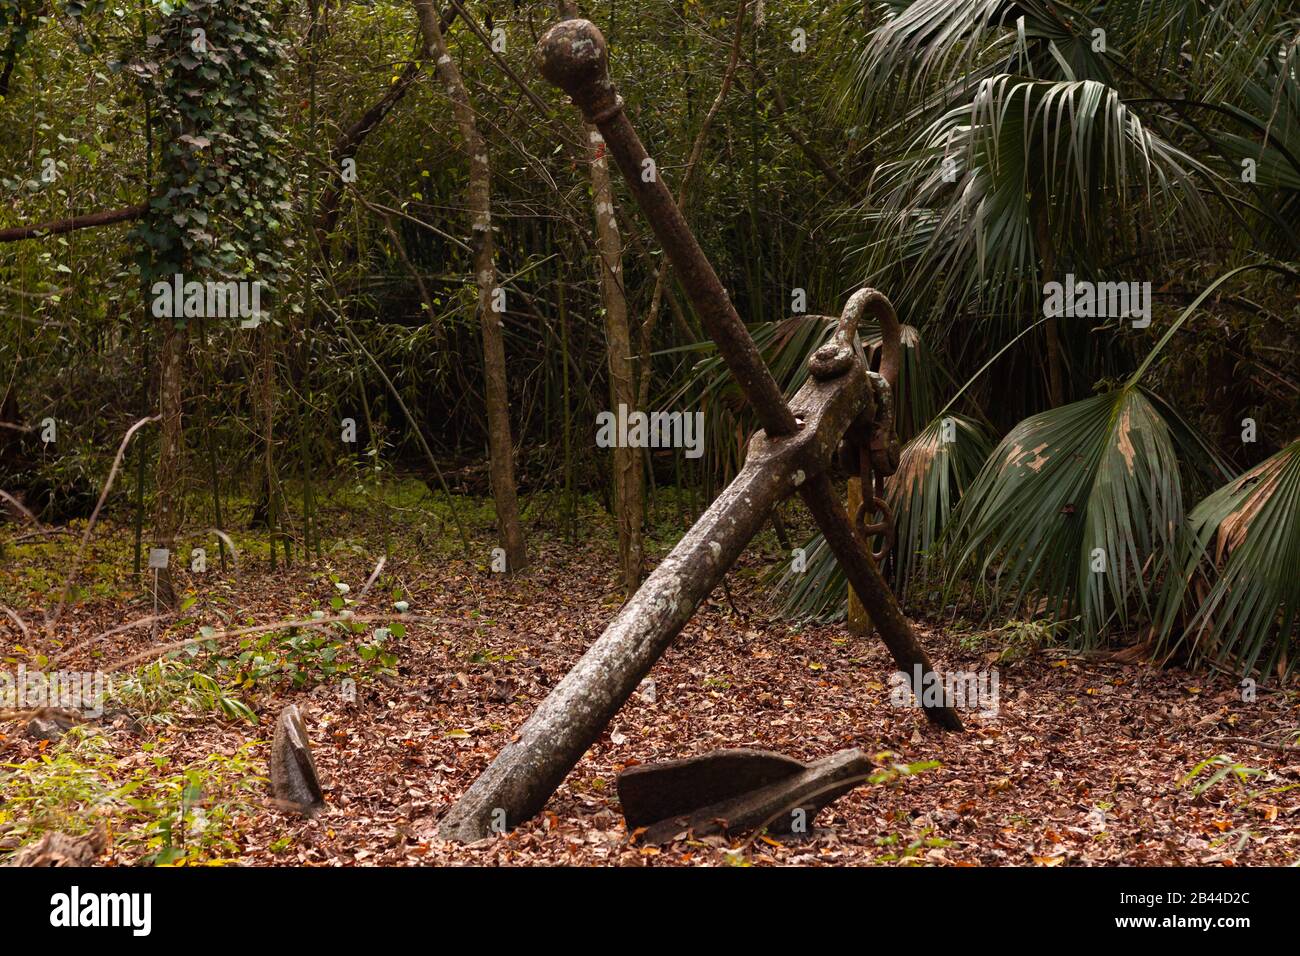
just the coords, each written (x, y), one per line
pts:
(792, 453)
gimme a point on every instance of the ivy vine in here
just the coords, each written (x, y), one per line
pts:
(220, 207)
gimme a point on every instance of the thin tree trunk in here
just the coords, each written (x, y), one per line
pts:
(567, 421)
(1055, 359)
(500, 444)
(629, 500)
(171, 455)
(629, 503)
(275, 501)
(858, 620)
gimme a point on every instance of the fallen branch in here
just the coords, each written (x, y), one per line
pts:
(130, 625)
(43, 229)
(374, 576)
(39, 533)
(22, 508)
(13, 615)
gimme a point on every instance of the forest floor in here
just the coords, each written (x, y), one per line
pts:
(1087, 761)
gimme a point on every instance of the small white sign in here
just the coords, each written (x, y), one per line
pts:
(158, 558)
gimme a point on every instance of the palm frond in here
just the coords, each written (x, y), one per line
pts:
(934, 470)
(1078, 505)
(1082, 505)
(948, 45)
(1270, 147)
(814, 589)
(1212, 44)
(1238, 581)
(956, 223)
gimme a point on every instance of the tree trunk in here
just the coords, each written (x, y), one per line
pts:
(12, 430)
(628, 498)
(500, 444)
(275, 501)
(171, 455)
(629, 501)
(858, 620)
(1055, 359)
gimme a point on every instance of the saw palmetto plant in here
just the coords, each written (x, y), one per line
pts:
(1083, 506)
(1235, 599)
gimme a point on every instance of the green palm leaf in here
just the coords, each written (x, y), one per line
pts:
(1244, 542)
(1272, 119)
(1078, 505)
(954, 44)
(957, 217)
(815, 590)
(934, 470)
(1082, 505)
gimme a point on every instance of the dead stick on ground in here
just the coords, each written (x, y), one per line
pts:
(19, 505)
(374, 576)
(129, 625)
(13, 615)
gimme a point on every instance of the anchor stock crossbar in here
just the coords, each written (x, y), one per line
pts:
(841, 399)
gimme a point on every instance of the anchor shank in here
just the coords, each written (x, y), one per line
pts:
(573, 56)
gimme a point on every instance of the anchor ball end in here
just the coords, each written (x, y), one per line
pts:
(573, 55)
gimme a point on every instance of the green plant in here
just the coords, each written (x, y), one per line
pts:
(1019, 639)
(934, 471)
(305, 657)
(1237, 585)
(159, 690)
(190, 815)
(1083, 505)
(194, 814)
(222, 203)
(914, 847)
(1223, 768)
(63, 789)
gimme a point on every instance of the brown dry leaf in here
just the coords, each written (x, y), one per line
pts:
(525, 633)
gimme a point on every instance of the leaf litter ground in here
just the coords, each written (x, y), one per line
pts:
(1085, 763)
